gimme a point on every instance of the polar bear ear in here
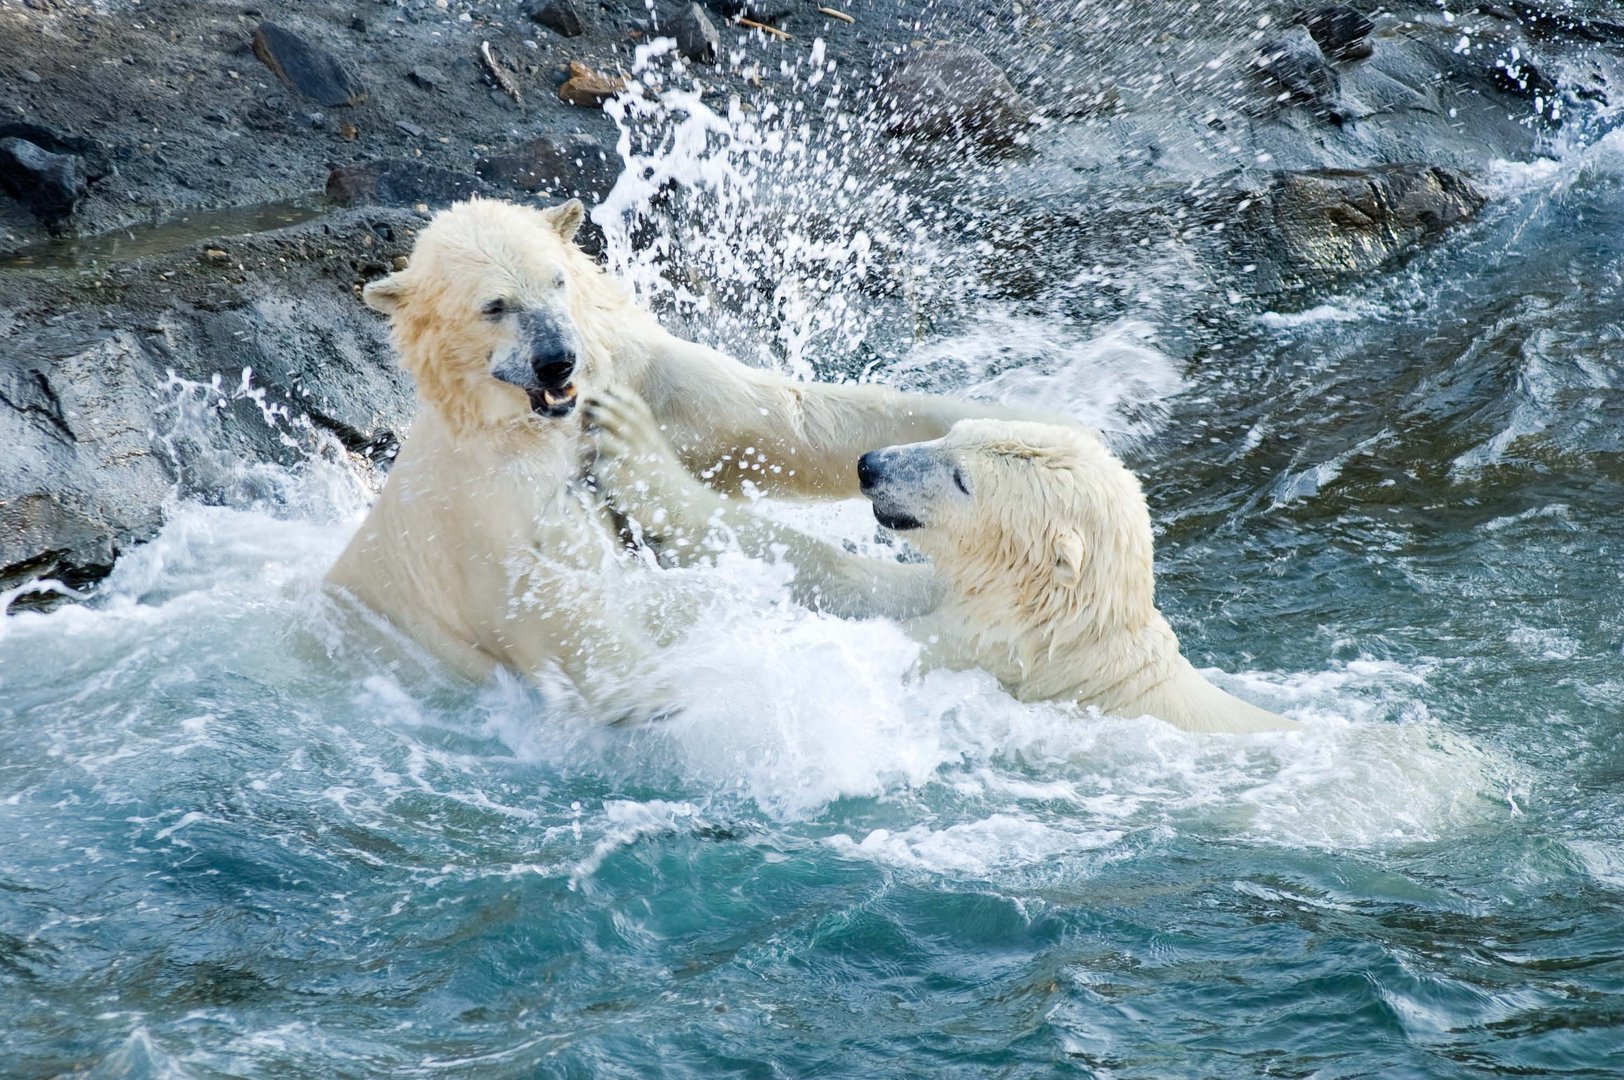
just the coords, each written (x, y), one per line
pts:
(566, 217)
(1068, 557)
(387, 294)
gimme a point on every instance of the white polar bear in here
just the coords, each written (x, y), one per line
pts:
(484, 546)
(1041, 559)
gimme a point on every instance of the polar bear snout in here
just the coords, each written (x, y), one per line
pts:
(869, 470)
(553, 368)
(910, 485)
(541, 361)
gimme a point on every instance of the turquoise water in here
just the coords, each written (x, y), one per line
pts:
(239, 842)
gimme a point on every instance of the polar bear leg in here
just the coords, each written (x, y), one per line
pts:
(639, 474)
(735, 425)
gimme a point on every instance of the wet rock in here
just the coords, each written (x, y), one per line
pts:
(953, 91)
(1341, 32)
(562, 17)
(428, 77)
(1313, 227)
(696, 35)
(559, 165)
(305, 68)
(769, 12)
(48, 184)
(587, 88)
(1294, 62)
(94, 443)
(1516, 73)
(398, 183)
(80, 479)
(1542, 20)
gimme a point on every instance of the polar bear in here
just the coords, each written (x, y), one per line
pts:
(1040, 553)
(484, 546)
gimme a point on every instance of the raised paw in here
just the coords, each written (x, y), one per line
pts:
(638, 471)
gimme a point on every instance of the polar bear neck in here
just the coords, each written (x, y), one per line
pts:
(1100, 643)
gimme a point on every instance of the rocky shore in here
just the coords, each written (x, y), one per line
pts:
(194, 191)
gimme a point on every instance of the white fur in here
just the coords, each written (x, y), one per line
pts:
(482, 546)
(1043, 567)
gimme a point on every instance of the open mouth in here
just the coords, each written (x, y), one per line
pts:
(899, 522)
(553, 401)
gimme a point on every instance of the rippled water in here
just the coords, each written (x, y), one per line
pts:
(238, 842)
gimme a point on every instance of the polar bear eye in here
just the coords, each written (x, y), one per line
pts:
(494, 309)
(958, 478)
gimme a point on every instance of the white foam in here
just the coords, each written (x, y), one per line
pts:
(1113, 379)
(977, 848)
(1344, 311)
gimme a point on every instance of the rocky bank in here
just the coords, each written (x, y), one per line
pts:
(192, 192)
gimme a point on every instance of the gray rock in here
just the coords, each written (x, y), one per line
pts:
(307, 69)
(29, 75)
(429, 77)
(1553, 21)
(1341, 32)
(769, 11)
(1315, 227)
(398, 183)
(409, 128)
(562, 17)
(696, 35)
(80, 479)
(49, 184)
(953, 91)
(1294, 62)
(559, 165)
(94, 444)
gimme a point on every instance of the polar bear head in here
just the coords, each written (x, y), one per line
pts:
(1030, 525)
(493, 313)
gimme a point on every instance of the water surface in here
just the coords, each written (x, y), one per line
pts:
(241, 842)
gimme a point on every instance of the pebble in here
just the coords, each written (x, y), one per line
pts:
(428, 77)
(587, 88)
(410, 128)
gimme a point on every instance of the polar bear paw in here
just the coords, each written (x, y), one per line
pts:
(638, 473)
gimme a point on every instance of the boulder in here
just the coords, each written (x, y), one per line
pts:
(305, 68)
(49, 185)
(398, 183)
(953, 92)
(1293, 61)
(563, 17)
(565, 166)
(696, 35)
(768, 12)
(1341, 32)
(80, 479)
(1314, 227)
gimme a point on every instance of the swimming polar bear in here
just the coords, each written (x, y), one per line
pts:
(1041, 559)
(484, 546)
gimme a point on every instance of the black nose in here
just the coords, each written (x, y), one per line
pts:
(553, 368)
(868, 469)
